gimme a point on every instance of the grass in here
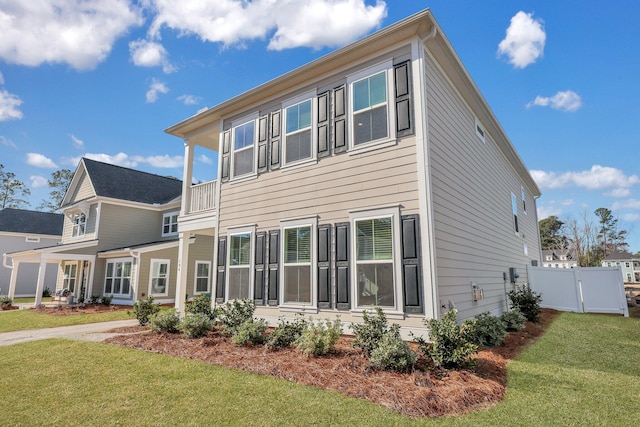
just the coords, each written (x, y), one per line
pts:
(19, 320)
(583, 371)
(29, 300)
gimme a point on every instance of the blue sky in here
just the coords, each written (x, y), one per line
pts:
(103, 79)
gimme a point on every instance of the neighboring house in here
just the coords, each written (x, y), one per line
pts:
(559, 258)
(374, 176)
(630, 265)
(20, 230)
(120, 237)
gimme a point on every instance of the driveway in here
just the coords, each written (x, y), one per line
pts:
(87, 332)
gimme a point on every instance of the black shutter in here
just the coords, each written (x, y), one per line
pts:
(221, 269)
(263, 134)
(274, 270)
(342, 266)
(274, 145)
(411, 274)
(324, 266)
(226, 156)
(404, 108)
(339, 120)
(258, 282)
(323, 124)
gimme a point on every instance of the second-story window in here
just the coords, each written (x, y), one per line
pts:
(514, 205)
(79, 224)
(243, 149)
(170, 224)
(370, 115)
(298, 140)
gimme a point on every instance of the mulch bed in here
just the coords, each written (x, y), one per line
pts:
(67, 310)
(426, 392)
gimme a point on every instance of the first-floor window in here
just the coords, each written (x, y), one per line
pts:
(69, 279)
(159, 277)
(374, 262)
(118, 278)
(202, 276)
(239, 266)
(297, 265)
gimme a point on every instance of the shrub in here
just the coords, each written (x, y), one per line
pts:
(393, 353)
(165, 321)
(196, 325)
(234, 313)
(513, 320)
(144, 309)
(201, 304)
(106, 300)
(451, 345)
(46, 292)
(5, 301)
(95, 299)
(319, 338)
(286, 333)
(251, 332)
(527, 301)
(369, 333)
(490, 330)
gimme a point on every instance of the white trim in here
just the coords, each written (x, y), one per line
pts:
(232, 151)
(32, 239)
(170, 215)
(251, 231)
(312, 98)
(151, 277)
(131, 276)
(312, 223)
(195, 277)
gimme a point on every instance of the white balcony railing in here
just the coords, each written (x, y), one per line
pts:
(202, 196)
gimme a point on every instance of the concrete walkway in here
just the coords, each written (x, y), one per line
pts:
(86, 332)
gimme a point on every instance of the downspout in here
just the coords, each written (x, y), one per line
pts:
(4, 261)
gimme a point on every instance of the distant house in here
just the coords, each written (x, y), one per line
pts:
(559, 258)
(20, 230)
(630, 265)
(374, 176)
(120, 238)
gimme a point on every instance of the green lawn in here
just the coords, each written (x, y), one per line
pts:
(29, 300)
(18, 320)
(583, 371)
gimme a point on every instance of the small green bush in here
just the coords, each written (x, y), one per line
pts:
(95, 299)
(196, 325)
(233, 314)
(165, 321)
(451, 346)
(143, 310)
(5, 300)
(106, 300)
(490, 330)
(286, 333)
(251, 332)
(527, 301)
(369, 333)
(201, 304)
(513, 320)
(46, 292)
(319, 338)
(393, 353)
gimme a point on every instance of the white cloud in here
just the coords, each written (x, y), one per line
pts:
(77, 142)
(524, 40)
(161, 161)
(567, 100)
(1, 78)
(38, 181)
(145, 53)
(596, 178)
(202, 158)
(80, 33)
(7, 142)
(120, 159)
(627, 204)
(310, 23)
(40, 161)
(630, 217)
(547, 211)
(189, 99)
(9, 104)
(155, 88)
(618, 193)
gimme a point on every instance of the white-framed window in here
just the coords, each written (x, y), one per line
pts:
(298, 125)
(239, 283)
(159, 277)
(243, 145)
(514, 206)
(299, 262)
(69, 277)
(202, 278)
(371, 115)
(376, 251)
(170, 223)
(78, 225)
(31, 239)
(117, 279)
(480, 132)
(524, 200)
(626, 264)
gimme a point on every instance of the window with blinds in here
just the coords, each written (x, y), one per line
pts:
(297, 265)
(374, 262)
(239, 266)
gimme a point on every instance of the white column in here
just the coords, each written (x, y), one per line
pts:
(187, 177)
(183, 268)
(14, 278)
(41, 272)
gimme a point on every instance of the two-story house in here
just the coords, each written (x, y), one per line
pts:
(559, 258)
(628, 263)
(120, 238)
(376, 175)
(22, 229)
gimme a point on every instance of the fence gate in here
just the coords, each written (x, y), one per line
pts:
(583, 290)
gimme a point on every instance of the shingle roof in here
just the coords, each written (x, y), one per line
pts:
(31, 222)
(618, 256)
(122, 183)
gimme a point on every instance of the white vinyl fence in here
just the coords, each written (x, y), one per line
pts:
(582, 289)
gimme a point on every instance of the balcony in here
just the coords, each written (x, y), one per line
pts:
(199, 209)
(201, 197)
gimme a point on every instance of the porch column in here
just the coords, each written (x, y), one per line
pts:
(183, 268)
(39, 288)
(187, 177)
(14, 279)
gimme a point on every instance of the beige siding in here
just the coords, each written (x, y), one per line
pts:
(90, 228)
(122, 226)
(200, 250)
(83, 190)
(471, 183)
(143, 286)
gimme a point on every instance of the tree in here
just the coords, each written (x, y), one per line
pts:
(12, 191)
(610, 237)
(59, 182)
(550, 237)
